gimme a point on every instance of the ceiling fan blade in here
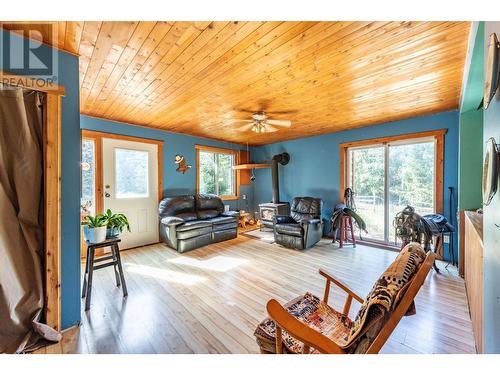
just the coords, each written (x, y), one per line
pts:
(286, 123)
(244, 110)
(245, 128)
(269, 128)
(281, 112)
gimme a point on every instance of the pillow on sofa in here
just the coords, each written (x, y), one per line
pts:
(188, 216)
(208, 206)
(182, 206)
(207, 214)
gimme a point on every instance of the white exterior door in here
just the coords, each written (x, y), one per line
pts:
(130, 186)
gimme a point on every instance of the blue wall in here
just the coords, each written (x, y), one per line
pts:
(70, 184)
(314, 165)
(174, 183)
(491, 228)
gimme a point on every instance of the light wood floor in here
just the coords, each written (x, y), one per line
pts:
(209, 300)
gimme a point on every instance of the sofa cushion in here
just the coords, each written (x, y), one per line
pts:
(194, 242)
(207, 214)
(190, 225)
(177, 206)
(291, 229)
(224, 235)
(234, 214)
(209, 202)
(193, 232)
(188, 216)
(172, 220)
(222, 220)
(219, 227)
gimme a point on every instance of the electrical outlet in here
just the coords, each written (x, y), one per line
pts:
(244, 197)
(446, 238)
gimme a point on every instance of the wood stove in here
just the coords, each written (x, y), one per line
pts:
(269, 210)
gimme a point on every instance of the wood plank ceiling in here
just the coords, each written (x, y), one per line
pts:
(194, 77)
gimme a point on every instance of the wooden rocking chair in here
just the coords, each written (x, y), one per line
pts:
(374, 335)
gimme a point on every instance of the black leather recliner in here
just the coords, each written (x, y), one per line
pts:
(191, 221)
(303, 228)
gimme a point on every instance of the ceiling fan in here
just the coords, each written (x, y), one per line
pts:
(260, 123)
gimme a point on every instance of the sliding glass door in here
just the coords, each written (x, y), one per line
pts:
(366, 171)
(389, 176)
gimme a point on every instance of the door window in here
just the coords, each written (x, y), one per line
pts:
(131, 173)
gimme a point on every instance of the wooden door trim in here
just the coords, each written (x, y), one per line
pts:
(438, 135)
(52, 189)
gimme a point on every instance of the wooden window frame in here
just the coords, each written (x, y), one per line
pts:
(438, 135)
(219, 150)
(52, 189)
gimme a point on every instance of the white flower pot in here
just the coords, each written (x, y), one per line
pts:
(94, 235)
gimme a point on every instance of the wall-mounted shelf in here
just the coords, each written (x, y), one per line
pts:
(251, 166)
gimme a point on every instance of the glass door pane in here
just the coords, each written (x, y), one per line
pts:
(131, 173)
(225, 174)
(208, 169)
(87, 199)
(367, 179)
(410, 179)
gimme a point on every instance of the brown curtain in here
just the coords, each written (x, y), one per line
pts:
(21, 218)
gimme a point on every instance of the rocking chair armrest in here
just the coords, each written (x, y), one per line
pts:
(342, 285)
(298, 330)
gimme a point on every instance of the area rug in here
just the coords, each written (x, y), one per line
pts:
(265, 235)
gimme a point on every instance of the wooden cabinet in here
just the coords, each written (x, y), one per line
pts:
(473, 272)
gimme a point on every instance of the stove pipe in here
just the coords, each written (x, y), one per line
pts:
(282, 159)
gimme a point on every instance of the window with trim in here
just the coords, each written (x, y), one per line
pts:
(215, 173)
(387, 174)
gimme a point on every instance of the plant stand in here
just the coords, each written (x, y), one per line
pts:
(90, 267)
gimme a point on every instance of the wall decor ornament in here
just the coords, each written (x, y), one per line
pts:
(182, 166)
(490, 171)
(492, 71)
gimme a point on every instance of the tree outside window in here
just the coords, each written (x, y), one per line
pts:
(216, 175)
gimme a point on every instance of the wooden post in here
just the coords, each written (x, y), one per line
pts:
(52, 172)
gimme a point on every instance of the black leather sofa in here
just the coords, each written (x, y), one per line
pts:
(303, 228)
(191, 221)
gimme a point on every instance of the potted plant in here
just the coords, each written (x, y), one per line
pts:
(94, 228)
(116, 223)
